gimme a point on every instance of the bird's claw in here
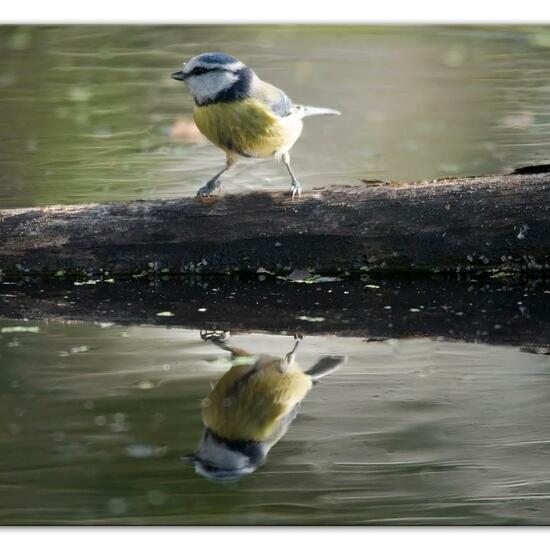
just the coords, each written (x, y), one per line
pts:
(214, 335)
(295, 189)
(208, 189)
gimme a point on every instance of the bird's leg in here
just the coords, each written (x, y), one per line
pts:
(289, 357)
(214, 335)
(214, 183)
(295, 187)
(220, 339)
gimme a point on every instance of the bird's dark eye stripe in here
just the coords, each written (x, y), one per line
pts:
(202, 70)
(199, 70)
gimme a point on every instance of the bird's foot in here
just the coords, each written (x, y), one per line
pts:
(295, 189)
(209, 188)
(214, 335)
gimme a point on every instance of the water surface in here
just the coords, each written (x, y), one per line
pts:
(95, 417)
(86, 112)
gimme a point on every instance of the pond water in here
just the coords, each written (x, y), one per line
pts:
(86, 112)
(96, 417)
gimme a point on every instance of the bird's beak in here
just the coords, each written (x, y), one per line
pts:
(191, 458)
(180, 75)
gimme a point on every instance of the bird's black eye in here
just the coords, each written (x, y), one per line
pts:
(198, 71)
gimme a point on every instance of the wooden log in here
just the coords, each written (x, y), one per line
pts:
(480, 223)
(494, 311)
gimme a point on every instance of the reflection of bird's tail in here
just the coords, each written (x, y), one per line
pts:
(327, 365)
(319, 111)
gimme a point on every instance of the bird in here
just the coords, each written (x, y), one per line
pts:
(242, 114)
(250, 409)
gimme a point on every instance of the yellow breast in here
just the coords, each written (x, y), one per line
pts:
(253, 411)
(247, 128)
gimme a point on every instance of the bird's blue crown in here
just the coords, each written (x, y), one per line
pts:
(217, 58)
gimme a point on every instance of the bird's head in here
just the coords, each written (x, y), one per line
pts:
(216, 77)
(220, 459)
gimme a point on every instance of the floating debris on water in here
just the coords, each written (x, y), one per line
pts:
(305, 276)
(501, 275)
(105, 325)
(522, 231)
(298, 275)
(32, 330)
(73, 351)
(144, 450)
(90, 282)
(165, 314)
(80, 349)
(311, 319)
(145, 385)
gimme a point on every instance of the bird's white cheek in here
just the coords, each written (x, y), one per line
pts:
(208, 86)
(220, 455)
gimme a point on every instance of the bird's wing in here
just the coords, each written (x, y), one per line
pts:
(277, 101)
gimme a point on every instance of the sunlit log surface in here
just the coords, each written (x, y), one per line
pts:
(479, 223)
(494, 311)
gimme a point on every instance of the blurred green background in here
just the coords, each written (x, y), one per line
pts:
(89, 113)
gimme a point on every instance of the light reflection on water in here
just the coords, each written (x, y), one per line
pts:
(86, 112)
(95, 421)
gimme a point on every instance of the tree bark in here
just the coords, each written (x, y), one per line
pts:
(483, 223)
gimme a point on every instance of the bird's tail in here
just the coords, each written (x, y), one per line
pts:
(319, 111)
(325, 366)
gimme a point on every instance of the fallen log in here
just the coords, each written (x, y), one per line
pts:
(488, 310)
(482, 223)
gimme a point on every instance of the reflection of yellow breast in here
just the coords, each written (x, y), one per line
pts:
(253, 411)
(247, 127)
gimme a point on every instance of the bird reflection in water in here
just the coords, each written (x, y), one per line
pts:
(250, 408)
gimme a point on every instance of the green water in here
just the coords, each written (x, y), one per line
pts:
(86, 111)
(94, 421)
(95, 418)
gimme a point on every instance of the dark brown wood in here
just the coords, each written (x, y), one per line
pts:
(473, 309)
(480, 224)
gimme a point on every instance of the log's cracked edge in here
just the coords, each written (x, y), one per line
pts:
(486, 223)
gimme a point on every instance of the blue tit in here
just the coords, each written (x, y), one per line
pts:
(241, 114)
(250, 408)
